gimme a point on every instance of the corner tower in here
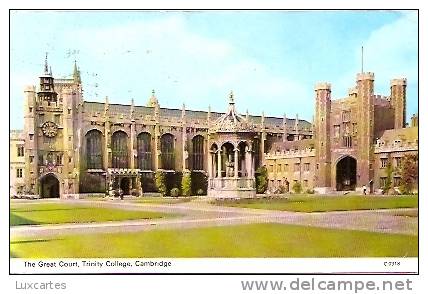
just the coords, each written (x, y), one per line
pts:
(322, 136)
(365, 136)
(398, 102)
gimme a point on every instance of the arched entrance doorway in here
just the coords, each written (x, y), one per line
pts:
(346, 174)
(49, 187)
(124, 185)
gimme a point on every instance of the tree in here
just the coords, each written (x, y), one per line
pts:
(409, 173)
(261, 180)
(388, 182)
(186, 183)
(160, 181)
(297, 187)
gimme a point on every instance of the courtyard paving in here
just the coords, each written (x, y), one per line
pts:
(200, 213)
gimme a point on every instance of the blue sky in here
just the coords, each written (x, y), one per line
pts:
(270, 59)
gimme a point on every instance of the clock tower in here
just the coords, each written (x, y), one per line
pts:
(50, 115)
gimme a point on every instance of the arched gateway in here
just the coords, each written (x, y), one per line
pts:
(49, 186)
(346, 174)
(231, 158)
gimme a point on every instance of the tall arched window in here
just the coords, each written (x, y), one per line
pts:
(167, 151)
(119, 150)
(144, 151)
(256, 149)
(198, 152)
(94, 157)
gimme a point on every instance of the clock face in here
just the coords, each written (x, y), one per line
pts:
(49, 129)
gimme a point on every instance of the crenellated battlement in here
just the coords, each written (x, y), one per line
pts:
(398, 82)
(322, 86)
(365, 76)
(307, 152)
(395, 146)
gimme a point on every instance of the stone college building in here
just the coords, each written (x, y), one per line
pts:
(71, 146)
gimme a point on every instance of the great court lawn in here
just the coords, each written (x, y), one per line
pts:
(311, 203)
(253, 240)
(58, 213)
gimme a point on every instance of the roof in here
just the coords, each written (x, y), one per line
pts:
(405, 134)
(92, 106)
(231, 121)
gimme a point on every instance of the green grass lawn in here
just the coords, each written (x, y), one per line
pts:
(162, 200)
(311, 203)
(255, 240)
(57, 213)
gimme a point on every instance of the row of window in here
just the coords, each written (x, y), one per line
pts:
(396, 162)
(285, 167)
(396, 181)
(286, 183)
(120, 157)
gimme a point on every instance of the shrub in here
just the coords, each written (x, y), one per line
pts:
(160, 181)
(297, 188)
(92, 183)
(175, 192)
(200, 192)
(135, 192)
(310, 191)
(261, 180)
(186, 184)
(199, 181)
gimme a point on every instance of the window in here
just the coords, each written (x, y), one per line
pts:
(297, 167)
(69, 111)
(120, 150)
(383, 162)
(41, 117)
(167, 151)
(19, 172)
(307, 167)
(41, 159)
(57, 118)
(93, 150)
(305, 183)
(397, 162)
(198, 152)
(286, 167)
(397, 181)
(30, 109)
(20, 151)
(144, 153)
(256, 148)
(270, 168)
(354, 128)
(59, 159)
(347, 141)
(31, 159)
(382, 182)
(336, 131)
(31, 136)
(279, 168)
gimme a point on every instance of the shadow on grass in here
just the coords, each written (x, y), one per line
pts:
(33, 241)
(16, 220)
(52, 209)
